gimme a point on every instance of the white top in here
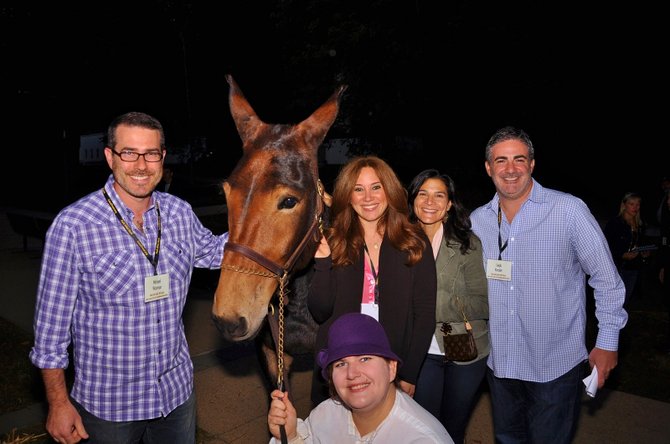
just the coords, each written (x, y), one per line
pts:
(434, 348)
(407, 423)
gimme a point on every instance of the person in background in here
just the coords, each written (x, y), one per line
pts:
(365, 403)
(625, 233)
(173, 182)
(448, 389)
(166, 182)
(115, 274)
(539, 246)
(372, 260)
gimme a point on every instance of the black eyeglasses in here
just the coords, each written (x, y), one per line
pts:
(132, 156)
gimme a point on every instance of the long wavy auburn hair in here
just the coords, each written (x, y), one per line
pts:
(346, 236)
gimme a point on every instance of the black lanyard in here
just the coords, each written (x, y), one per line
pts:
(501, 246)
(152, 259)
(374, 274)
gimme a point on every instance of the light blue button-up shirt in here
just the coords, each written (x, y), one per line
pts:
(538, 318)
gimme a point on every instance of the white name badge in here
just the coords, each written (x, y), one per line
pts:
(370, 310)
(499, 269)
(156, 287)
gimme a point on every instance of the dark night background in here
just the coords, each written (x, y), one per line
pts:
(587, 82)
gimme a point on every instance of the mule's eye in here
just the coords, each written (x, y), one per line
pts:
(288, 203)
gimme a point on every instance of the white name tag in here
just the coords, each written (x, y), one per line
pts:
(156, 287)
(499, 269)
(370, 310)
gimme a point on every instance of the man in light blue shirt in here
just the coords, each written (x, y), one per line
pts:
(539, 246)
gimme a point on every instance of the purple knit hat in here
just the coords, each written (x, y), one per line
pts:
(355, 334)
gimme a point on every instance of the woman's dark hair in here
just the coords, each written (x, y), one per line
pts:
(457, 224)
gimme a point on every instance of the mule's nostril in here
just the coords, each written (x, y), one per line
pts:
(231, 329)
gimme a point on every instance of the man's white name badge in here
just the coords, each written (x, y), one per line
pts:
(370, 310)
(156, 287)
(499, 269)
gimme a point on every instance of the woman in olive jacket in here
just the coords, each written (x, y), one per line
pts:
(373, 260)
(449, 389)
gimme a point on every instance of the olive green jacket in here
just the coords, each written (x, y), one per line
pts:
(462, 275)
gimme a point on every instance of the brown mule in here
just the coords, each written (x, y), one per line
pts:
(274, 206)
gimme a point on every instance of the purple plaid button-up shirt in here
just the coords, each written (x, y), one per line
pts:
(131, 359)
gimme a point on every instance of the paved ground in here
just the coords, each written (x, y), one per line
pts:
(232, 391)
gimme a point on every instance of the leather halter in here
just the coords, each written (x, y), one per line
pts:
(279, 271)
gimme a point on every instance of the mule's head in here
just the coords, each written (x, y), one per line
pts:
(272, 203)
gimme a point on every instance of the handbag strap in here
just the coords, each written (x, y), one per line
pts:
(465, 318)
(461, 307)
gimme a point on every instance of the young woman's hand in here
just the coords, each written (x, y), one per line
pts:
(323, 250)
(282, 413)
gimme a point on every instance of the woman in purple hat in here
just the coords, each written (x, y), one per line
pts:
(366, 404)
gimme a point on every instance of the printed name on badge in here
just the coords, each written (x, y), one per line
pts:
(499, 269)
(156, 287)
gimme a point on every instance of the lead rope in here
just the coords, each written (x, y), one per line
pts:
(280, 349)
(280, 334)
(282, 283)
(277, 328)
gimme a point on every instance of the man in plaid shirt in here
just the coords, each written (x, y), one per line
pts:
(113, 283)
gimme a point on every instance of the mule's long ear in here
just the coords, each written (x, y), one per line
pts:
(247, 122)
(315, 127)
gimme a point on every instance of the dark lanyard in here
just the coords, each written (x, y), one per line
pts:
(374, 274)
(152, 259)
(501, 246)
